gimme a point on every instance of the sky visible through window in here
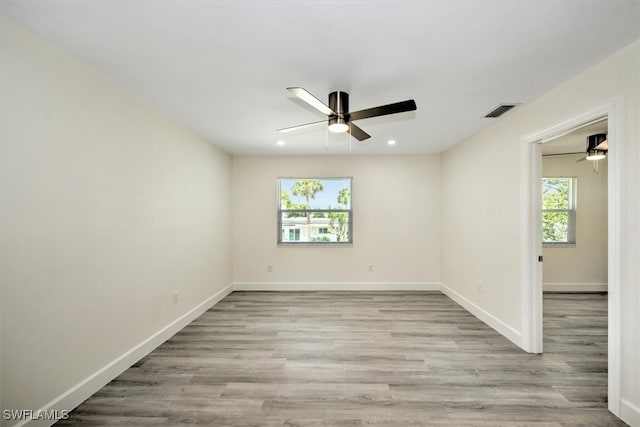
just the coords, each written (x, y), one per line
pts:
(325, 198)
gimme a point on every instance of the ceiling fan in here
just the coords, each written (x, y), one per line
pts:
(339, 118)
(597, 147)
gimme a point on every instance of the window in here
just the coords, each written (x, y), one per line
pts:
(558, 210)
(314, 211)
(294, 234)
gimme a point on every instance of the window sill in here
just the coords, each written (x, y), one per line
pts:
(314, 245)
(558, 245)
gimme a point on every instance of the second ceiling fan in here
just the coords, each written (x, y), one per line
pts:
(597, 147)
(339, 118)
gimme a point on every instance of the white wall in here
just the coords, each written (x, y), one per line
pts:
(481, 236)
(107, 208)
(583, 266)
(396, 221)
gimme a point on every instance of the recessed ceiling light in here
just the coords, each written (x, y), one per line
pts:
(280, 143)
(391, 142)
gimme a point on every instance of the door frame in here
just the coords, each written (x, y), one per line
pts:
(531, 249)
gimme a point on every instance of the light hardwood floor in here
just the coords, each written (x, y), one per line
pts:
(356, 358)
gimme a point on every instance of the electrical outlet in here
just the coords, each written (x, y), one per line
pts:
(480, 286)
(269, 268)
(370, 268)
(174, 297)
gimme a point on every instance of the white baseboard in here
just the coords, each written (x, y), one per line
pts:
(630, 413)
(574, 287)
(336, 286)
(492, 321)
(84, 389)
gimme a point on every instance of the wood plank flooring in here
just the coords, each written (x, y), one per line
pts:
(356, 358)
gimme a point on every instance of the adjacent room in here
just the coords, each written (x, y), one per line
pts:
(319, 213)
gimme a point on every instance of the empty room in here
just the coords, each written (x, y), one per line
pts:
(281, 213)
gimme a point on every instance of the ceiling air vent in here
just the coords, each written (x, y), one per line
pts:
(500, 110)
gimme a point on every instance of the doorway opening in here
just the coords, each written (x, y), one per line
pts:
(532, 248)
(574, 268)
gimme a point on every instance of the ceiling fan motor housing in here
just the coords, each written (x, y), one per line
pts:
(594, 150)
(339, 102)
(594, 140)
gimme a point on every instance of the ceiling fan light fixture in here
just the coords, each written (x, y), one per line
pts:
(596, 155)
(338, 125)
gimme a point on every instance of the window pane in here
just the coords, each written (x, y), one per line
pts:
(558, 210)
(555, 227)
(556, 193)
(332, 227)
(315, 193)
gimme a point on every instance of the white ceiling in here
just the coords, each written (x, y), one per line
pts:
(221, 67)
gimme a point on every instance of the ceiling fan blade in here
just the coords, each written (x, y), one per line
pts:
(604, 145)
(358, 133)
(383, 110)
(311, 100)
(289, 129)
(563, 154)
